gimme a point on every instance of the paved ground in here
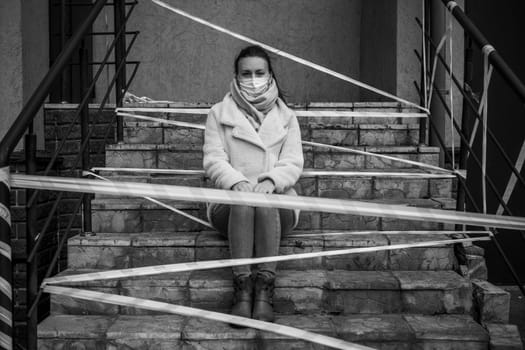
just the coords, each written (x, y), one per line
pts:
(517, 309)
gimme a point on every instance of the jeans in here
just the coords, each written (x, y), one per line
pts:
(252, 231)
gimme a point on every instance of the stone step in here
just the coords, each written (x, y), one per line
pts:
(126, 250)
(333, 131)
(140, 215)
(189, 156)
(395, 332)
(359, 185)
(296, 292)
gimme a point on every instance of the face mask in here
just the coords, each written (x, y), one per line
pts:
(254, 86)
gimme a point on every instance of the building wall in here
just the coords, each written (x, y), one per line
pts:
(24, 58)
(11, 71)
(183, 60)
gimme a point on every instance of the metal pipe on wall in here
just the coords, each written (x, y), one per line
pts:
(437, 111)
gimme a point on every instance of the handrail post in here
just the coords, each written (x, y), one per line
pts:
(84, 130)
(31, 231)
(119, 14)
(6, 265)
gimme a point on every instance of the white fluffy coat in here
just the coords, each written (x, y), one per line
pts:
(234, 151)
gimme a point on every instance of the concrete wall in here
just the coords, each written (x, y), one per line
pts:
(11, 83)
(24, 58)
(408, 38)
(183, 60)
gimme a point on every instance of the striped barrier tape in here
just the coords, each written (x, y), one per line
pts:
(215, 264)
(5, 250)
(6, 267)
(209, 315)
(289, 56)
(309, 143)
(359, 233)
(209, 195)
(306, 173)
(298, 112)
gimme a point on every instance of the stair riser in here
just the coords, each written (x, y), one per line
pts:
(250, 344)
(336, 187)
(116, 257)
(401, 332)
(160, 220)
(192, 159)
(344, 135)
(296, 292)
(302, 300)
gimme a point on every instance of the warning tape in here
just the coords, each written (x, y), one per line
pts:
(315, 144)
(298, 112)
(165, 121)
(5, 250)
(306, 173)
(215, 264)
(209, 195)
(287, 55)
(150, 171)
(366, 233)
(152, 305)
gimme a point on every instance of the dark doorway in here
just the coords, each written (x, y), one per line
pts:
(503, 26)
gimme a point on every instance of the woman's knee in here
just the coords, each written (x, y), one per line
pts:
(242, 210)
(262, 212)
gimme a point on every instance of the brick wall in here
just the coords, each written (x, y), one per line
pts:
(57, 119)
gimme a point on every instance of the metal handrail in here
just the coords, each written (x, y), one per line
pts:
(83, 102)
(473, 108)
(24, 122)
(494, 57)
(470, 196)
(26, 116)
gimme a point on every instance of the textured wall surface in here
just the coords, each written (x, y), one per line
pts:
(10, 62)
(183, 60)
(24, 45)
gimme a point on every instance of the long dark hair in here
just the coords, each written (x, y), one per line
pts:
(257, 51)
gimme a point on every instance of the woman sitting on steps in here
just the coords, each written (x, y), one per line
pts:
(253, 144)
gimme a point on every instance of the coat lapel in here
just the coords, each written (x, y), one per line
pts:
(270, 133)
(242, 129)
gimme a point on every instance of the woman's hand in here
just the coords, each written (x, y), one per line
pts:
(243, 186)
(265, 186)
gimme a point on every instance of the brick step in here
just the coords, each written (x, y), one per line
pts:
(396, 332)
(333, 131)
(384, 112)
(355, 186)
(296, 292)
(126, 250)
(140, 215)
(187, 155)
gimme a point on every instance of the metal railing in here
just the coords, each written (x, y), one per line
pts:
(24, 125)
(471, 109)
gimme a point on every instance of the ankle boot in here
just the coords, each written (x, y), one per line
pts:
(243, 296)
(263, 303)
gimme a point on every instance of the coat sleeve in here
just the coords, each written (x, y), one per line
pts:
(289, 167)
(216, 161)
